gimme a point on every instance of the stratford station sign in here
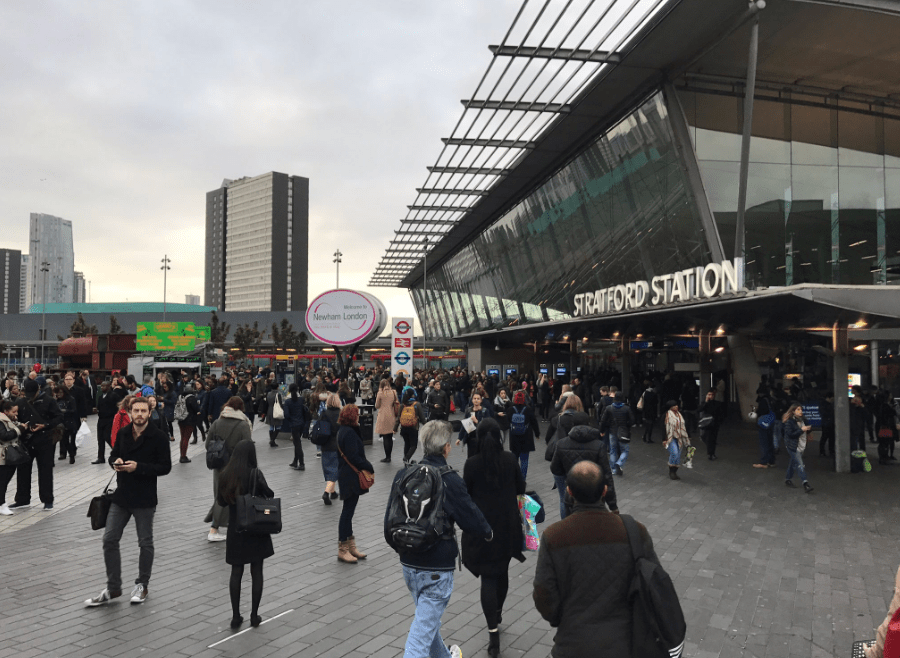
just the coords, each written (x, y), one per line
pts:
(694, 283)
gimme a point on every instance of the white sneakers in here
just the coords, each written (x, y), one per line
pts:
(104, 597)
(215, 536)
(5, 511)
(139, 593)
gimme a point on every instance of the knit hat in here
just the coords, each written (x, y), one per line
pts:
(671, 403)
(30, 386)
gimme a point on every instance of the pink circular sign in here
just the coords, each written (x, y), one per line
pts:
(344, 317)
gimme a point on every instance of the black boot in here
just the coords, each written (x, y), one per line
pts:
(494, 643)
(673, 473)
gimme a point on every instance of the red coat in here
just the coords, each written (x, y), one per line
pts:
(120, 420)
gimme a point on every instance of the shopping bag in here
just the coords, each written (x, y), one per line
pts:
(529, 508)
(82, 435)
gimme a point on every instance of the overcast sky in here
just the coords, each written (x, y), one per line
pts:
(121, 115)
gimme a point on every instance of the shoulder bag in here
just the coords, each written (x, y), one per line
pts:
(277, 410)
(257, 515)
(98, 510)
(366, 479)
(15, 454)
(395, 406)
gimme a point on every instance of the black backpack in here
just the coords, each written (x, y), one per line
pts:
(415, 519)
(658, 628)
(217, 454)
(322, 429)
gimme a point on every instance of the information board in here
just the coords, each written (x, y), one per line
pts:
(165, 336)
(812, 414)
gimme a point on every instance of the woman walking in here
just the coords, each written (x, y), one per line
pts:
(494, 481)
(233, 427)
(11, 432)
(242, 476)
(167, 407)
(71, 421)
(296, 419)
(476, 413)
(157, 418)
(502, 405)
(411, 416)
(187, 425)
(795, 441)
(246, 392)
(353, 456)
(523, 428)
(676, 438)
(331, 408)
(387, 416)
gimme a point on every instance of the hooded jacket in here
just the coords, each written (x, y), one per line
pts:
(617, 419)
(584, 442)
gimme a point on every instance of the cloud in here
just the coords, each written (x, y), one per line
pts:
(121, 116)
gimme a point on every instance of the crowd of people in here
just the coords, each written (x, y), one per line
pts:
(588, 425)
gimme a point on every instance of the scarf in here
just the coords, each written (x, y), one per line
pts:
(675, 429)
(228, 412)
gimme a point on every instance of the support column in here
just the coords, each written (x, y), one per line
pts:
(745, 373)
(840, 345)
(704, 363)
(873, 355)
(625, 349)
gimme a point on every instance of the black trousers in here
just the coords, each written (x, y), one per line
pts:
(6, 475)
(42, 453)
(827, 440)
(710, 437)
(410, 441)
(104, 436)
(297, 436)
(67, 443)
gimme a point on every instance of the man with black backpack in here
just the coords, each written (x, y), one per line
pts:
(579, 585)
(426, 500)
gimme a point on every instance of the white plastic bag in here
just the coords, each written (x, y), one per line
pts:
(82, 434)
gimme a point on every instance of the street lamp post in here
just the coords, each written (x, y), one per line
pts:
(337, 262)
(425, 313)
(45, 267)
(165, 268)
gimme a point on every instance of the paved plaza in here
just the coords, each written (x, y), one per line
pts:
(762, 570)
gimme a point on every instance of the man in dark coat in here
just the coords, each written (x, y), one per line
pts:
(711, 408)
(38, 410)
(584, 571)
(616, 422)
(582, 442)
(438, 402)
(140, 456)
(217, 399)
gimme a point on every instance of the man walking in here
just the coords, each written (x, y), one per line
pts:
(616, 422)
(583, 573)
(38, 410)
(139, 457)
(429, 574)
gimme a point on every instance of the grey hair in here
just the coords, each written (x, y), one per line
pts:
(435, 435)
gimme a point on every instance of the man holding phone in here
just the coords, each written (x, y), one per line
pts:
(140, 455)
(39, 411)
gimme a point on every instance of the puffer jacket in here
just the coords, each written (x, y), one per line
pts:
(792, 433)
(584, 442)
(617, 419)
(569, 419)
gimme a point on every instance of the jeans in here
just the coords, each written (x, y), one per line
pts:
(796, 462)
(431, 592)
(115, 525)
(766, 455)
(330, 465)
(674, 453)
(777, 431)
(345, 523)
(561, 489)
(523, 462)
(618, 450)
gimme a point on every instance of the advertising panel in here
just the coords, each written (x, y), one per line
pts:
(493, 370)
(165, 336)
(345, 317)
(204, 334)
(402, 347)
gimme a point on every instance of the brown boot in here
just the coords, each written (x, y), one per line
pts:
(355, 552)
(344, 553)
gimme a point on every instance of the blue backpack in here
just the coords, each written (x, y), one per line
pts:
(518, 424)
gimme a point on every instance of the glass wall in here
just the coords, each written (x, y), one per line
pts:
(620, 211)
(823, 198)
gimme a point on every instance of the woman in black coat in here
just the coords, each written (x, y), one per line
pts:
(241, 476)
(522, 444)
(494, 481)
(350, 449)
(476, 412)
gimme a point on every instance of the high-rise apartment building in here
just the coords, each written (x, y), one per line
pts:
(51, 248)
(10, 280)
(193, 300)
(80, 296)
(257, 233)
(25, 288)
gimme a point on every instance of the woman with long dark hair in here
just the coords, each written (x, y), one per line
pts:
(239, 476)
(477, 413)
(794, 436)
(71, 421)
(233, 427)
(494, 480)
(246, 392)
(350, 447)
(296, 419)
(411, 416)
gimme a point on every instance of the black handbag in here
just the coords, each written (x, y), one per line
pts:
(257, 515)
(98, 510)
(16, 454)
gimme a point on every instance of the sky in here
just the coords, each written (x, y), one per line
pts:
(121, 115)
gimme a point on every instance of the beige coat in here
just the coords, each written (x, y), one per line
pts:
(7, 422)
(877, 651)
(384, 405)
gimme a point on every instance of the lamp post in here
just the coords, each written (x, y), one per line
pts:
(45, 267)
(425, 286)
(337, 262)
(165, 268)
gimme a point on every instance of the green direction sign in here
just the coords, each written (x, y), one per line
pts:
(165, 336)
(204, 334)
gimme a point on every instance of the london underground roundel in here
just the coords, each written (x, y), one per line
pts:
(402, 358)
(402, 327)
(345, 317)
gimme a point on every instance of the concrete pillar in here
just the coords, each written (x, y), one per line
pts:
(840, 345)
(704, 363)
(625, 348)
(873, 355)
(745, 371)
(475, 357)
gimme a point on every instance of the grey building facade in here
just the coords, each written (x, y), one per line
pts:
(257, 232)
(51, 242)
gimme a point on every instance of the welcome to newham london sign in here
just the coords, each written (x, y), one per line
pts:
(713, 280)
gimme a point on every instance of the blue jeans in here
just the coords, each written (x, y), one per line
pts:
(330, 465)
(766, 455)
(674, 453)
(618, 451)
(561, 488)
(523, 462)
(431, 592)
(777, 431)
(796, 462)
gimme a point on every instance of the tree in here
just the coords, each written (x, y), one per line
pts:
(114, 327)
(81, 328)
(218, 331)
(285, 337)
(247, 338)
